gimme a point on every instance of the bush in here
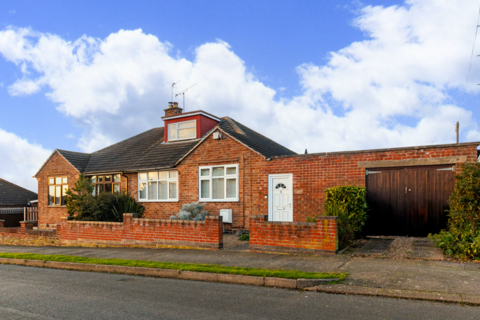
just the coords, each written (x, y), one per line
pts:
(244, 237)
(462, 239)
(191, 211)
(82, 205)
(349, 204)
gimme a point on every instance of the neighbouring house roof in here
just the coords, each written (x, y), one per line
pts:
(148, 151)
(11, 194)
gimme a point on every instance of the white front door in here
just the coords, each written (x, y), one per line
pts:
(280, 204)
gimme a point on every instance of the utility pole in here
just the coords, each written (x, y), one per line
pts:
(457, 130)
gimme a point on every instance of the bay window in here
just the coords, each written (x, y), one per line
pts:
(218, 183)
(57, 188)
(158, 186)
(182, 130)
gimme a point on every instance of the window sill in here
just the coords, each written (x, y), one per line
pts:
(233, 200)
(155, 201)
(56, 206)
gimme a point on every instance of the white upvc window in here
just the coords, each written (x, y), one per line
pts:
(158, 186)
(218, 183)
(182, 130)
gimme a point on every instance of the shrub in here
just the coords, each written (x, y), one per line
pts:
(191, 211)
(349, 204)
(462, 239)
(82, 205)
(244, 237)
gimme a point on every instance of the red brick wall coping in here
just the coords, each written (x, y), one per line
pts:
(133, 231)
(319, 237)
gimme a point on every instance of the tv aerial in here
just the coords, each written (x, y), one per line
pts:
(173, 84)
(183, 94)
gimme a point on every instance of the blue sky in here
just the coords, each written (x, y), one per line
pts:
(322, 75)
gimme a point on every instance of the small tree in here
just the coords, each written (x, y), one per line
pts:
(462, 239)
(79, 199)
(349, 204)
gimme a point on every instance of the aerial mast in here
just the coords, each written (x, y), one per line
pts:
(183, 94)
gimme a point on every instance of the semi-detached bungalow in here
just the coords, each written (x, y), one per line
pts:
(197, 156)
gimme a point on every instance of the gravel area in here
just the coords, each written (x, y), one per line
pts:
(401, 247)
(231, 242)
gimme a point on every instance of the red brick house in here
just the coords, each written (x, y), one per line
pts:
(197, 156)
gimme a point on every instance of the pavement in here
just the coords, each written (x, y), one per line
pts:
(41, 293)
(376, 272)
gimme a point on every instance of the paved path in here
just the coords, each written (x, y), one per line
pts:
(37, 293)
(419, 275)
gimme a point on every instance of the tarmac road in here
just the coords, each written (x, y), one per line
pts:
(37, 293)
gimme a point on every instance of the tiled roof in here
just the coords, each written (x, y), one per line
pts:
(77, 159)
(254, 140)
(147, 150)
(11, 194)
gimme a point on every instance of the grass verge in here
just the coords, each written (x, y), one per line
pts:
(212, 268)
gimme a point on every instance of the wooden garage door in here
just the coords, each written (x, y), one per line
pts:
(408, 201)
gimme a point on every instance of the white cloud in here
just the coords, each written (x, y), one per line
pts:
(20, 160)
(391, 89)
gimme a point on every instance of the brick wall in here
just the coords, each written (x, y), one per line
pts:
(206, 234)
(314, 173)
(49, 216)
(26, 236)
(303, 237)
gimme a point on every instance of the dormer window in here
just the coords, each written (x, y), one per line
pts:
(182, 130)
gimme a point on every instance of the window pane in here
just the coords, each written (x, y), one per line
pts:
(163, 175)
(163, 191)
(116, 178)
(173, 190)
(143, 190)
(152, 176)
(218, 188)
(51, 181)
(64, 180)
(205, 189)
(232, 170)
(58, 192)
(108, 187)
(187, 133)
(173, 174)
(205, 172)
(172, 131)
(64, 193)
(94, 179)
(99, 188)
(116, 188)
(108, 178)
(142, 176)
(58, 180)
(187, 124)
(51, 195)
(152, 190)
(231, 188)
(100, 179)
(218, 172)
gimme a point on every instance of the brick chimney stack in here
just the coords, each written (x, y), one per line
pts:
(173, 109)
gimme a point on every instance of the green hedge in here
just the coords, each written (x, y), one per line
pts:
(462, 239)
(349, 204)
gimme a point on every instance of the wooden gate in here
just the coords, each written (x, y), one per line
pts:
(408, 201)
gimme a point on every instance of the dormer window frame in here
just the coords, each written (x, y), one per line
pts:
(175, 127)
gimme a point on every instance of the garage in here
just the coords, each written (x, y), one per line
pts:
(408, 201)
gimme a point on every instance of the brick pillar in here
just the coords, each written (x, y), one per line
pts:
(214, 226)
(24, 225)
(2, 223)
(327, 226)
(127, 219)
(256, 229)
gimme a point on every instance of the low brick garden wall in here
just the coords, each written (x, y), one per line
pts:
(319, 237)
(133, 231)
(26, 236)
